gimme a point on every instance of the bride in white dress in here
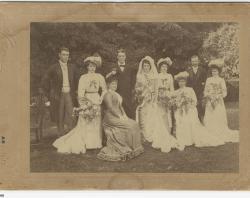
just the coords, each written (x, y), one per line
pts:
(189, 130)
(149, 115)
(87, 134)
(215, 118)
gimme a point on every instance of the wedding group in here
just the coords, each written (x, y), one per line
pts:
(122, 109)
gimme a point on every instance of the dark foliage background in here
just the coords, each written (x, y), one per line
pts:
(176, 40)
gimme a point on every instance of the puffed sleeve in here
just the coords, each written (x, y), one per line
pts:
(102, 83)
(82, 86)
(224, 88)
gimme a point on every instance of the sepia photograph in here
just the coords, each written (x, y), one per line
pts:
(134, 97)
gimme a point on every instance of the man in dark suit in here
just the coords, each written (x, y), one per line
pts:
(196, 80)
(126, 76)
(60, 86)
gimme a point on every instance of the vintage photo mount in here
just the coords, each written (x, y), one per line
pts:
(15, 88)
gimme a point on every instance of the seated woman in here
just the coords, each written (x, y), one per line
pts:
(123, 134)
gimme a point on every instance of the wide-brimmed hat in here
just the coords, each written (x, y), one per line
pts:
(166, 60)
(97, 60)
(181, 76)
(216, 63)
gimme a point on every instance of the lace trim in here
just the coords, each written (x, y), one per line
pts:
(121, 157)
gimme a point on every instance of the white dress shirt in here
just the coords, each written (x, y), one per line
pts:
(66, 85)
(195, 69)
(122, 66)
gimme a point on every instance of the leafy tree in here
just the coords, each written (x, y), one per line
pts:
(179, 41)
(224, 43)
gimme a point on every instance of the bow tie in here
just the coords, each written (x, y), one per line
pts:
(121, 65)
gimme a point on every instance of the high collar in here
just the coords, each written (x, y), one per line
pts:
(63, 64)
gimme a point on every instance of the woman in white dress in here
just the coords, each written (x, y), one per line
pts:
(87, 133)
(166, 88)
(215, 118)
(148, 112)
(189, 130)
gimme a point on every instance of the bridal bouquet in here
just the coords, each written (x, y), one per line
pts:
(142, 93)
(214, 94)
(182, 101)
(88, 110)
(164, 97)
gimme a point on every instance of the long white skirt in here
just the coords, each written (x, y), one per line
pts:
(155, 129)
(86, 135)
(189, 130)
(215, 120)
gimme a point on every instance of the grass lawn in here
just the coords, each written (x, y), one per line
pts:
(225, 158)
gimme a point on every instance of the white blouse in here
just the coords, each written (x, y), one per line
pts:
(166, 81)
(220, 82)
(89, 85)
(188, 91)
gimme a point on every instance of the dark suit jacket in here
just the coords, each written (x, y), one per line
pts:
(197, 81)
(126, 84)
(52, 83)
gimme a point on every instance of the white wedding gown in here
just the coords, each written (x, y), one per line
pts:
(150, 117)
(189, 130)
(86, 134)
(215, 119)
(161, 137)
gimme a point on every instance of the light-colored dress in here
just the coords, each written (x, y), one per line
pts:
(166, 88)
(215, 118)
(87, 134)
(151, 117)
(123, 134)
(148, 106)
(189, 130)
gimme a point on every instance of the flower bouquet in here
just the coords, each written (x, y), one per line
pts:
(214, 95)
(182, 101)
(142, 93)
(88, 110)
(164, 97)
